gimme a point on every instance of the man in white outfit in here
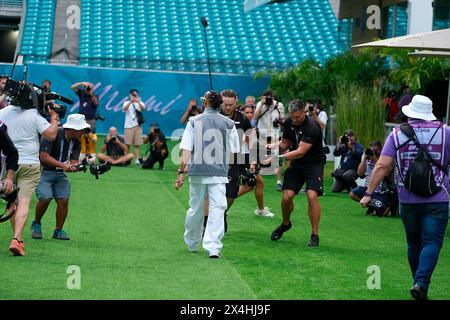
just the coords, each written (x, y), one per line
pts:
(208, 142)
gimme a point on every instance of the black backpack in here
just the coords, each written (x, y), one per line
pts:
(419, 178)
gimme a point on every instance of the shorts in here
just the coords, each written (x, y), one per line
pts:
(295, 178)
(27, 178)
(53, 185)
(232, 187)
(133, 136)
(359, 191)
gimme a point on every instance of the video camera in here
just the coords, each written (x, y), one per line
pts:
(99, 117)
(95, 170)
(10, 199)
(368, 152)
(28, 95)
(248, 178)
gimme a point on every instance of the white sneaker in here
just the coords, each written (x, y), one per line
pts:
(137, 163)
(264, 213)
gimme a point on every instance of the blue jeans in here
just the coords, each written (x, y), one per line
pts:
(425, 226)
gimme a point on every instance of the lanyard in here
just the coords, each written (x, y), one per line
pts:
(69, 152)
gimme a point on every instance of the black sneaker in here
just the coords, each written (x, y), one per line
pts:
(314, 241)
(278, 232)
(419, 293)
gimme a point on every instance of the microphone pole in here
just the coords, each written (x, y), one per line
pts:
(205, 24)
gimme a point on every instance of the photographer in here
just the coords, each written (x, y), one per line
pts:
(252, 179)
(303, 137)
(157, 150)
(24, 126)
(57, 158)
(350, 152)
(208, 173)
(133, 130)
(116, 150)
(269, 118)
(315, 110)
(88, 146)
(3, 100)
(88, 102)
(383, 191)
(191, 111)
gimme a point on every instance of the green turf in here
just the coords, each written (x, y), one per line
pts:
(127, 238)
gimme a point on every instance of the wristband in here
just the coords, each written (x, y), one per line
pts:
(367, 194)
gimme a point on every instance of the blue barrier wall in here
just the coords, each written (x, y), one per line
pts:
(166, 95)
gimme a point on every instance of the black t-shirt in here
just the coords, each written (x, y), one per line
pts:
(309, 132)
(242, 125)
(113, 149)
(61, 149)
(87, 107)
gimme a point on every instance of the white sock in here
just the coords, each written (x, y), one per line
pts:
(279, 182)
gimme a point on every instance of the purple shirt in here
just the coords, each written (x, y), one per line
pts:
(438, 148)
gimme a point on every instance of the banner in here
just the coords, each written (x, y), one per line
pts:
(166, 95)
(66, 31)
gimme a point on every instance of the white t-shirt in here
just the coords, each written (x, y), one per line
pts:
(130, 114)
(24, 127)
(266, 118)
(323, 117)
(188, 142)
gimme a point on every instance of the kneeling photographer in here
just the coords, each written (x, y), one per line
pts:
(384, 196)
(116, 150)
(157, 150)
(57, 158)
(350, 152)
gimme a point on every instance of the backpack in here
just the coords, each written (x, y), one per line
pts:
(419, 178)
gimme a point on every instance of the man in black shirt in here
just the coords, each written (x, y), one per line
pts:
(303, 137)
(117, 153)
(157, 150)
(88, 102)
(57, 158)
(11, 154)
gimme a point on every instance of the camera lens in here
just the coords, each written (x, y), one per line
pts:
(311, 108)
(344, 140)
(368, 152)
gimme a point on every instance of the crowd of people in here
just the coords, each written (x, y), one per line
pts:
(255, 139)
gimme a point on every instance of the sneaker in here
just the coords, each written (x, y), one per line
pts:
(279, 186)
(264, 213)
(16, 247)
(419, 293)
(278, 232)
(314, 241)
(60, 235)
(36, 231)
(137, 162)
(214, 255)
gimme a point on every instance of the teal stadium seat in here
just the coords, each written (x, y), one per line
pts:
(168, 35)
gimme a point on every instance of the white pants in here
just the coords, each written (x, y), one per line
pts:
(194, 218)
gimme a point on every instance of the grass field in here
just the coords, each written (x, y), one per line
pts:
(127, 239)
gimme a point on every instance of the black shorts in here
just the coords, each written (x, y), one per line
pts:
(295, 178)
(232, 187)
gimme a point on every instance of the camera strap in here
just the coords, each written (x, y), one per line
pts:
(69, 152)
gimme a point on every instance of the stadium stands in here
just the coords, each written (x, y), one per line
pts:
(168, 35)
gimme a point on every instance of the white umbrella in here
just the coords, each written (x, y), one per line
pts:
(434, 40)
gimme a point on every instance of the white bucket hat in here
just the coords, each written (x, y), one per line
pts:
(76, 122)
(421, 107)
